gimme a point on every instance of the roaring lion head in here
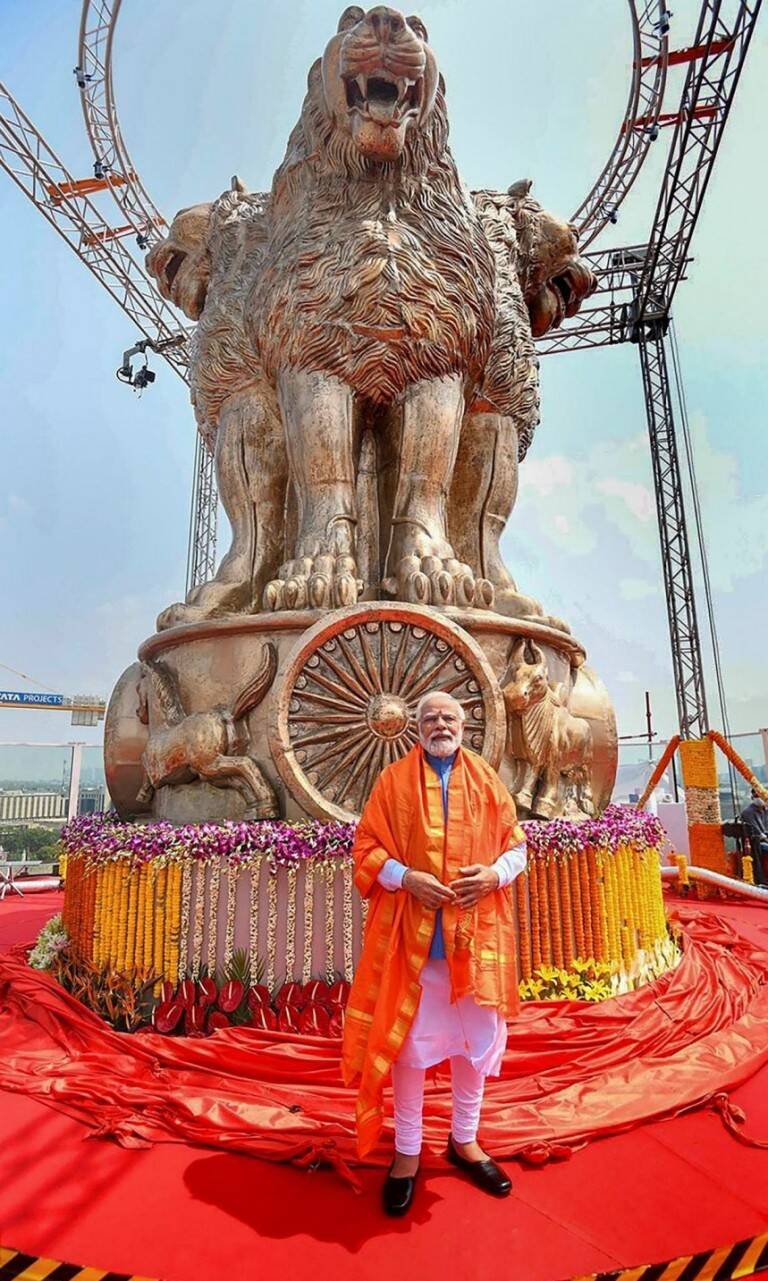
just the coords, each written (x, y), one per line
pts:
(379, 78)
(180, 263)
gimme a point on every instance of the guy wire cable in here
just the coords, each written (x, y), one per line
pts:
(702, 553)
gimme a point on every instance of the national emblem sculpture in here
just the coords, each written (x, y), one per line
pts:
(364, 368)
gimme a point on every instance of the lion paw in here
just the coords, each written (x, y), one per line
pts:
(433, 580)
(325, 581)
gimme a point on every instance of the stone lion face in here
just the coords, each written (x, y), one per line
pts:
(379, 78)
(561, 280)
(180, 263)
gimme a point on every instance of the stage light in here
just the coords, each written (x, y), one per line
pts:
(652, 133)
(99, 170)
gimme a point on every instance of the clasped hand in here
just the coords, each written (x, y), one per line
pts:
(474, 883)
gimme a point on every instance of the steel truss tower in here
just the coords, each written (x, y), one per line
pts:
(715, 61)
(673, 534)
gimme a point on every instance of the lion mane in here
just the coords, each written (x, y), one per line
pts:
(380, 275)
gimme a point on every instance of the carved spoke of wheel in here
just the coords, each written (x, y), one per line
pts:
(351, 702)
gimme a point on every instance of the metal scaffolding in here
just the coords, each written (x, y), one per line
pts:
(715, 62)
(673, 534)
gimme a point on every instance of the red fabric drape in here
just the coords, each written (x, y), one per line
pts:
(572, 1071)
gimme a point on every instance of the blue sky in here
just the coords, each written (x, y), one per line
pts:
(94, 505)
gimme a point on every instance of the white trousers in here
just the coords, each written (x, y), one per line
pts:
(467, 1086)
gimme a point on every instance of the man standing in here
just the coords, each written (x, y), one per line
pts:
(436, 847)
(755, 818)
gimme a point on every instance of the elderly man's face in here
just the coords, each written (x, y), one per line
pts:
(441, 725)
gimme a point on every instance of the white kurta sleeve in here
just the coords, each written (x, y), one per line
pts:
(508, 865)
(391, 874)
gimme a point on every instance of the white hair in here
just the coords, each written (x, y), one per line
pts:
(432, 694)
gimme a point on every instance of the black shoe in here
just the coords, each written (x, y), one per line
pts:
(397, 1194)
(486, 1174)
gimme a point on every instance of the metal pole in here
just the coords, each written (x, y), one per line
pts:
(76, 762)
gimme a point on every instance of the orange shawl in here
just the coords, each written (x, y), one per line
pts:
(403, 819)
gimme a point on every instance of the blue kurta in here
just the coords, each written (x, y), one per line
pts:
(442, 765)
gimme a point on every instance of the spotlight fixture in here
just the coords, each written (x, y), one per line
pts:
(82, 77)
(99, 170)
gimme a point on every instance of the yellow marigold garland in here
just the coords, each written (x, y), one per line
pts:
(577, 909)
(597, 902)
(523, 925)
(563, 869)
(535, 906)
(555, 917)
(738, 763)
(697, 759)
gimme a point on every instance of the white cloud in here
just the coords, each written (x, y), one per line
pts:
(636, 498)
(545, 475)
(735, 522)
(637, 588)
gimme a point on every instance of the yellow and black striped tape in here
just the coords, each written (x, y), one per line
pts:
(729, 1263)
(16, 1266)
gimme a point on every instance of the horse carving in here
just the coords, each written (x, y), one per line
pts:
(211, 745)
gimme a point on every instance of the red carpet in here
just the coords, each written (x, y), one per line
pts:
(669, 1188)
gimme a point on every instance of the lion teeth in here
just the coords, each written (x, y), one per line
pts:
(362, 83)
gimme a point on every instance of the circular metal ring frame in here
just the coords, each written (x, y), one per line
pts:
(599, 206)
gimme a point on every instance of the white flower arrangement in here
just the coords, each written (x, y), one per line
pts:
(51, 940)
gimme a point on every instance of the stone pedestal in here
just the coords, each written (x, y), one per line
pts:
(316, 703)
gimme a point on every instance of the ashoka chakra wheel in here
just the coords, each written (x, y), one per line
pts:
(346, 707)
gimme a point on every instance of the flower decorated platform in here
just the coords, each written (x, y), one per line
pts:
(158, 904)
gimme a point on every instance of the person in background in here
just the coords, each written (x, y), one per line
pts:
(437, 848)
(755, 818)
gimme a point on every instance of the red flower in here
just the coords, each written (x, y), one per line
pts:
(288, 1019)
(337, 1022)
(316, 992)
(187, 992)
(166, 991)
(264, 1019)
(216, 1020)
(315, 1020)
(230, 996)
(258, 996)
(194, 1020)
(166, 1016)
(290, 994)
(339, 993)
(207, 991)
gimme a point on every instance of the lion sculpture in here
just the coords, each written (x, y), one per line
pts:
(369, 307)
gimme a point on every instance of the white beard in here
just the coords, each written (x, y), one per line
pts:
(443, 746)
